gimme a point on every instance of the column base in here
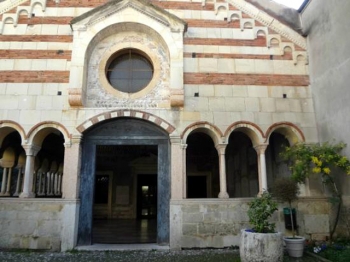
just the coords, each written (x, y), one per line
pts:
(223, 195)
(27, 195)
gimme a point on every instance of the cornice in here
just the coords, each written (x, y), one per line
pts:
(269, 21)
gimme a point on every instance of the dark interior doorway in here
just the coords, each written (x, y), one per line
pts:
(123, 148)
(147, 196)
(125, 202)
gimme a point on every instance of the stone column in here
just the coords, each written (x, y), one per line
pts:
(8, 187)
(222, 168)
(176, 168)
(3, 184)
(31, 152)
(260, 149)
(184, 171)
(19, 180)
(71, 168)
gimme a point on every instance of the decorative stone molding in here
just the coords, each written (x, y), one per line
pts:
(269, 21)
(177, 97)
(75, 97)
(126, 113)
(110, 20)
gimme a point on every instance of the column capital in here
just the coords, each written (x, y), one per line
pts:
(31, 150)
(75, 139)
(260, 149)
(221, 148)
(175, 139)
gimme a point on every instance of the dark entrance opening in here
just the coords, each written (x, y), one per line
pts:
(120, 157)
(125, 202)
(147, 196)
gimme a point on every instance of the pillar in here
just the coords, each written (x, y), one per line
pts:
(260, 149)
(176, 168)
(71, 168)
(31, 152)
(222, 169)
(3, 184)
(184, 171)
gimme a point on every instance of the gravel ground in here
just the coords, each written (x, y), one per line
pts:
(207, 255)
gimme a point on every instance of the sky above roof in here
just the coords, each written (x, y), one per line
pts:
(291, 3)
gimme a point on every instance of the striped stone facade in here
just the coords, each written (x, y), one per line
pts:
(225, 67)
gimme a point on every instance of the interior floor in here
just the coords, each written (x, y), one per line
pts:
(124, 231)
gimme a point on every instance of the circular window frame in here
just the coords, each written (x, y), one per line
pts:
(118, 49)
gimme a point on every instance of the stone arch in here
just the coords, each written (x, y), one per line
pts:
(255, 134)
(8, 127)
(213, 131)
(37, 134)
(126, 113)
(41, 3)
(290, 131)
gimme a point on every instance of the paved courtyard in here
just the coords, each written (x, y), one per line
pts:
(206, 255)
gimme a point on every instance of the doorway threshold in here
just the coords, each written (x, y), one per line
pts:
(120, 247)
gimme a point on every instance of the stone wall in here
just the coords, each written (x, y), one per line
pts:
(217, 223)
(42, 224)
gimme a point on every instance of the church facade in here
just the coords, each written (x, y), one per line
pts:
(167, 112)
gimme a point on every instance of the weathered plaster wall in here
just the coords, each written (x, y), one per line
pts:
(326, 24)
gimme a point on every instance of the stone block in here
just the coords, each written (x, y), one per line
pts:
(267, 104)
(223, 229)
(295, 105)
(244, 66)
(206, 90)
(226, 66)
(192, 217)
(235, 104)
(197, 104)
(217, 104)
(208, 64)
(212, 217)
(189, 229)
(257, 91)
(191, 65)
(263, 118)
(252, 104)
(316, 224)
(282, 105)
(7, 64)
(206, 229)
(239, 91)
(223, 90)
(190, 116)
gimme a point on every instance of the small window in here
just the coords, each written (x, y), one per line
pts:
(130, 71)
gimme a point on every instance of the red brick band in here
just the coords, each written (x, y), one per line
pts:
(245, 79)
(34, 76)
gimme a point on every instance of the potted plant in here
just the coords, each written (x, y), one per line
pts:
(287, 190)
(261, 243)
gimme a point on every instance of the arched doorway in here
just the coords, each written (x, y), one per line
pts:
(121, 160)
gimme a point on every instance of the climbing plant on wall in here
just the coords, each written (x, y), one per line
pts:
(323, 159)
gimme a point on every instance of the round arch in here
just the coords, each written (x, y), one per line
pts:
(91, 122)
(211, 130)
(37, 134)
(8, 127)
(290, 131)
(250, 129)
